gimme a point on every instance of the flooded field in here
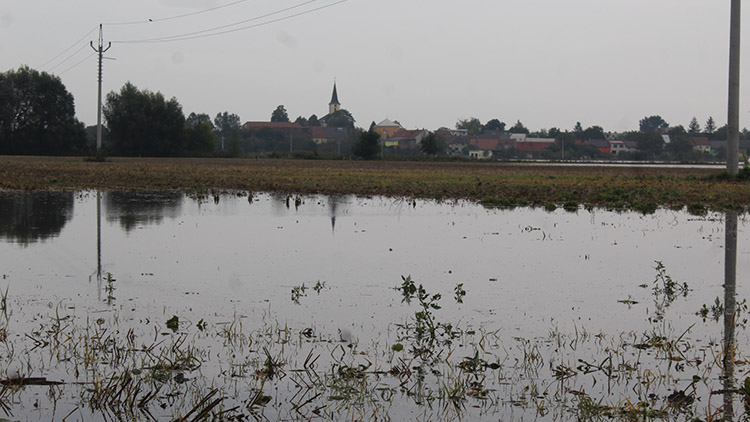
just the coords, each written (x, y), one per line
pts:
(273, 307)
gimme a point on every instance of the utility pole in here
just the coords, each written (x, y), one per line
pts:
(733, 112)
(101, 50)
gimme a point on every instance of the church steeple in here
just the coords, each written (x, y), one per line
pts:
(334, 105)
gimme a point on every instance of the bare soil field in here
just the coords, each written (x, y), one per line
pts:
(494, 184)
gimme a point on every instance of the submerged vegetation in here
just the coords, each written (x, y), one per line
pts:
(639, 188)
(109, 368)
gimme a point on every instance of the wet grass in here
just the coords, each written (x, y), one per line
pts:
(493, 184)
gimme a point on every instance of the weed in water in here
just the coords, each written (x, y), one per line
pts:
(298, 292)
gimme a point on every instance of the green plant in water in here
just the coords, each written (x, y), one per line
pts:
(426, 330)
(109, 288)
(716, 310)
(298, 292)
(173, 323)
(665, 289)
(319, 286)
(459, 293)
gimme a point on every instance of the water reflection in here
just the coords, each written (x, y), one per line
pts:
(28, 218)
(730, 305)
(133, 209)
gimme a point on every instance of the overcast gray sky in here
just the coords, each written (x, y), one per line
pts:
(425, 63)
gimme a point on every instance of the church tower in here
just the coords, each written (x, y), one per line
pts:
(334, 105)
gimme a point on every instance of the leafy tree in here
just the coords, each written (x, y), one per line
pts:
(225, 124)
(313, 120)
(650, 142)
(197, 119)
(200, 138)
(720, 133)
(710, 125)
(694, 128)
(495, 124)
(301, 121)
(367, 146)
(519, 128)
(372, 125)
(675, 131)
(432, 144)
(554, 132)
(37, 115)
(578, 128)
(680, 145)
(143, 123)
(279, 115)
(653, 124)
(340, 118)
(472, 125)
(593, 132)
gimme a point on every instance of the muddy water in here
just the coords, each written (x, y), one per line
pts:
(529, 275)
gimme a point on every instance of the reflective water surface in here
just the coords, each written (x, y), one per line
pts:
(566, 316)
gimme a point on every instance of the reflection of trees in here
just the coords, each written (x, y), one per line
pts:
(27, 218)
(132, 208)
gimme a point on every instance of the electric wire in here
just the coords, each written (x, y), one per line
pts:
(67, 58)
(77, 64)
(67, 49)
(192, 36)
(176, 17)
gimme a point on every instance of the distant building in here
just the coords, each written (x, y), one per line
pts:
(387, 128)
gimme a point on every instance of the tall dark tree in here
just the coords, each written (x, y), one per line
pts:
(578, 128)
(367, 146)
(652, 124)
(432, 144)
(225, 124)
(196, 119)
(313, 120)
(519, 128)
(495, 124)
(710, 126)
(593, 132)
(200, 139)
(472, 125)
(650, 143)
(340, 118)
(37, 115)
(301, 121)
(694, 128)
(143, 123)
(280, 115)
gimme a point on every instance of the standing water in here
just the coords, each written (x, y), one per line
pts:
(160, 306)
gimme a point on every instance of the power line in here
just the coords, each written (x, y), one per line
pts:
(67, 58)
(176, 17)
(77, 64)
(192, 35)
(67, 49)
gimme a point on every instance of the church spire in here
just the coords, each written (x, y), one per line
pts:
(334, 105)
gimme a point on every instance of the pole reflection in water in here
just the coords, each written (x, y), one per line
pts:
(99, 244)
(730, 287)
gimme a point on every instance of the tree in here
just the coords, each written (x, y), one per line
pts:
(652, 124)
(432, 144)
(694, 128)
(680, 145)
(367, 146)
(472, 125)
(279, 115)
(37, 115)
(710, 125)
(197, 119)
(225, 124)
(301, 121)
(495, 124)
(650, 142)
(519, 128)
(313, 120)
(593, 132)
(340, 118)
(143, 123)
(200, 138)
(578, 128)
